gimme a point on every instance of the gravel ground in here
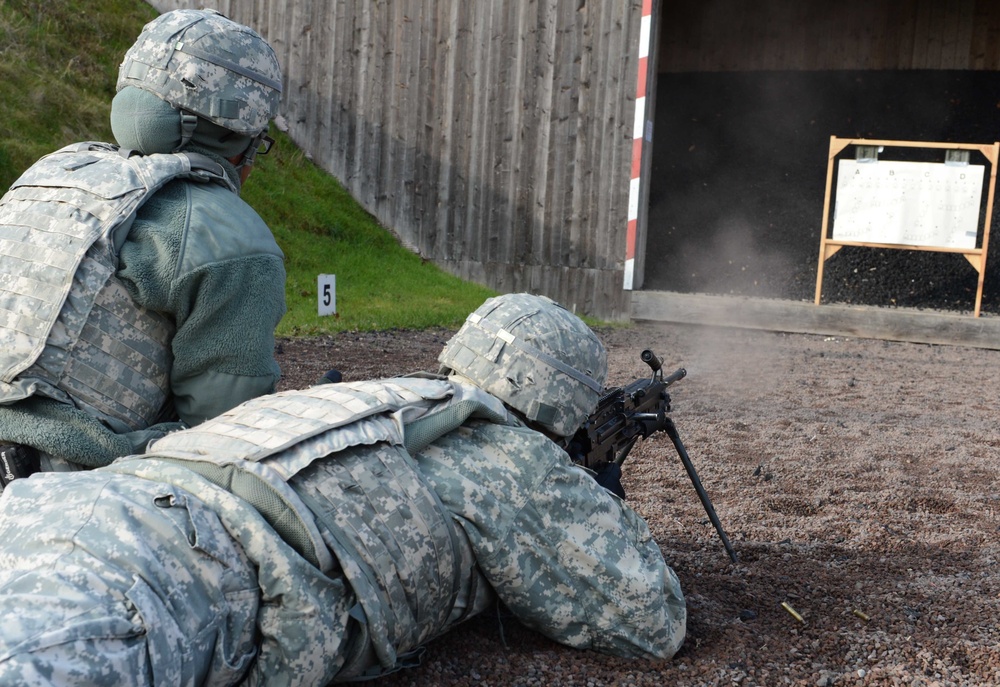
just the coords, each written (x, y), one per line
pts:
(857, 480)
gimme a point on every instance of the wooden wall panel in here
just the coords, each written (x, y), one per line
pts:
(494, 139)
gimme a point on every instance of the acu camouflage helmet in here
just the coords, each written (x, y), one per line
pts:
(535, 356)
(205, 64)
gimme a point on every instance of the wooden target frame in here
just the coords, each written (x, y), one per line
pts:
(976, 256)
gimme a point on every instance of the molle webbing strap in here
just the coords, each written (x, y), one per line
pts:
(273, 425)
(44, 244)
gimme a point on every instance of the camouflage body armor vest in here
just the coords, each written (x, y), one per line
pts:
(369, 514)
(68, 328)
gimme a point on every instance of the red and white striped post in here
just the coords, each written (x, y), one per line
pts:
(638, 131)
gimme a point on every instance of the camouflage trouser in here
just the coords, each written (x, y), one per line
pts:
(109, 579)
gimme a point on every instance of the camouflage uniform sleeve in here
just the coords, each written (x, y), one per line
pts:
(567, 557)
(204, 256)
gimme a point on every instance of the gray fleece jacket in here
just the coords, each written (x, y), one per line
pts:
(201, 255)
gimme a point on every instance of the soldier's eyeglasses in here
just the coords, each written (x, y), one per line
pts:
(265, 145)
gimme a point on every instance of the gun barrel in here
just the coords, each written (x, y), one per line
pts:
(677, 375)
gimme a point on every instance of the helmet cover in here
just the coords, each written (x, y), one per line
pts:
(203, 63)
(535, 356)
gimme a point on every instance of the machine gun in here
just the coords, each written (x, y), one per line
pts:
(624, 415)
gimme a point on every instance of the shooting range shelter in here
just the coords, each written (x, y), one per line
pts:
(500, 140)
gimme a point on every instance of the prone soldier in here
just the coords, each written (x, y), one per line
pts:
(326, 534)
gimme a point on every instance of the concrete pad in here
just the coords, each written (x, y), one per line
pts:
(893, 324)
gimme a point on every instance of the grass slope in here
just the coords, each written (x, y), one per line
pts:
(58, 66)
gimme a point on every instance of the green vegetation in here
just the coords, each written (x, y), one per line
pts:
(58, 66)
(323, 230)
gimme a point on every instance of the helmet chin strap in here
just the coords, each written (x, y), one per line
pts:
(250, 154)
(189, 123)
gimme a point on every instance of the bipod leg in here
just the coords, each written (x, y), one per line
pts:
(671, 431)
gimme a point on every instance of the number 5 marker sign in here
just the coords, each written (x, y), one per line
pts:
(326, 289)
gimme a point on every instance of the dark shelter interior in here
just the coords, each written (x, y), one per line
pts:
(738, 182)
(747, 97)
